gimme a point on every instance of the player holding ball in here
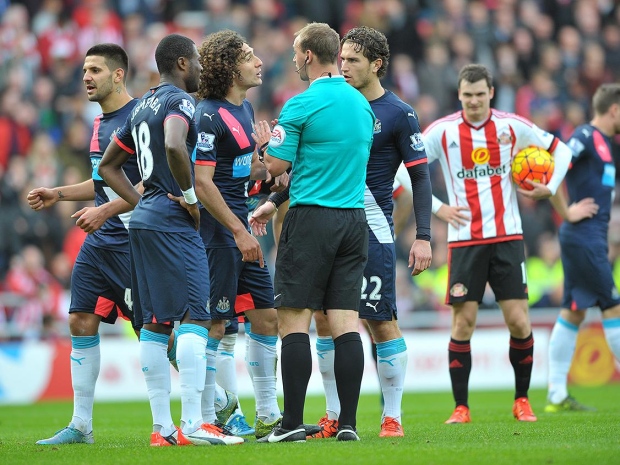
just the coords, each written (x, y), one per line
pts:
(475, 148)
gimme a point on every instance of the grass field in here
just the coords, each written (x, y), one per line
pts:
(122, 435)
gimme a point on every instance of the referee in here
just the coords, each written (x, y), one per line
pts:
(324, 133)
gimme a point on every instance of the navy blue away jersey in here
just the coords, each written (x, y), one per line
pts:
(397, 138)
(113, 234)
(592, 174)
(143, 133)
(225, 141)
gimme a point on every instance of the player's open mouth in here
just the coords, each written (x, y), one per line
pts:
(90, 88)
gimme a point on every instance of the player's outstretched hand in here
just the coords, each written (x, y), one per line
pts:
(261, 133)
(41, 198)
(261, 217)
(90, 219)
(453, 215)
(539, 191)
(420, 256)
(585, 208)
(249, 248)
(192, 209)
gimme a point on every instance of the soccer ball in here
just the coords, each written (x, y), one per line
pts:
(533, 163)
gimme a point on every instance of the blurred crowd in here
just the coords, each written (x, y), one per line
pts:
(547, 56)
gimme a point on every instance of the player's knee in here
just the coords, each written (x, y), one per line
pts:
(383, 331)
(83, 324)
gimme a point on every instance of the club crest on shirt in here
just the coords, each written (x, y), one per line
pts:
(377, 128)
(417, 143)
(187, 107)
(223, 305)
(205, 142)
(504, 138)
(458, 290)
(278, 135)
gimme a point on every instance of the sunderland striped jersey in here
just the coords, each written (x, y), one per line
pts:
(476, 161)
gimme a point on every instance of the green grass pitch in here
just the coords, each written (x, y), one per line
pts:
(494, 437)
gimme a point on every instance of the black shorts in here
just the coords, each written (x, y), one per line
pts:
(501, 264)
(321, 258)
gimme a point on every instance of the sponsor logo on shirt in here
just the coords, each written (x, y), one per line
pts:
(482, 171)
(242, 165)
(481, 155)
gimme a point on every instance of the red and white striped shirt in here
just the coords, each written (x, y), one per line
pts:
(476, 164)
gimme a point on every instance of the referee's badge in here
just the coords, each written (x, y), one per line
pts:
(277, 136)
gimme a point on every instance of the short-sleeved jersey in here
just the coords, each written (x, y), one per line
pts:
(225, 141)
(143, 134)
(592, 174)
(326, 133)
(397, 140)
(476, 165)
(113, 233)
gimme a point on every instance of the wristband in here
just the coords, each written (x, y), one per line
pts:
(261, 151)
(190, 196)
(274, 204)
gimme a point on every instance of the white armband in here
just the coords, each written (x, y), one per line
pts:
(190, 196)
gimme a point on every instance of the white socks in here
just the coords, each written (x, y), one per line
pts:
(561, 351)
(156, 370)
(325, 354)
(192, 341)
(391, 367)
(85, 363)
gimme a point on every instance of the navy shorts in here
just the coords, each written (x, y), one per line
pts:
(378, 298)
(100, 284)
(588, 277)
(169, 276)
(321, 258)
(235, 281)
(501, 264)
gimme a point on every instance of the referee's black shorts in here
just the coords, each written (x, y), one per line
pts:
(321, 258)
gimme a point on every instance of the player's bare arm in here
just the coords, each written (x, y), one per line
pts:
(43, 197)
(211, 198)
(111, 170)
(261, 216)
(585, 208)
(90, 219)
(175, 137)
